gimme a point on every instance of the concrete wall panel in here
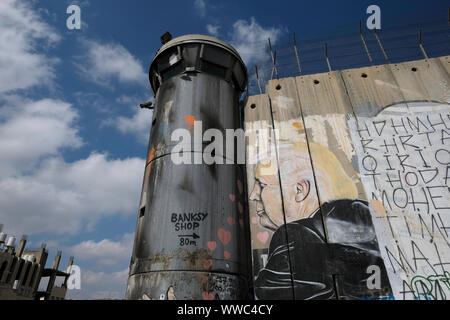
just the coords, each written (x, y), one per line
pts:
(366, 200)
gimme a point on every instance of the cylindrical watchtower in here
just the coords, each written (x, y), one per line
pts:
(192, 232)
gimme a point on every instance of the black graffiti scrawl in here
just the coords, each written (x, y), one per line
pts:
(403, 154)
(327, 248)
(321, 269)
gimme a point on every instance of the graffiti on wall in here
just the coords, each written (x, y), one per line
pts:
(316, 237)
(360, 181)
(403, 157)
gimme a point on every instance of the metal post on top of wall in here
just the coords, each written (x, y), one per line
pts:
(257, 79)
(364, 43)
(274, 66)
(297, 57)
(420, 44)
(381, 46)
(326, 57)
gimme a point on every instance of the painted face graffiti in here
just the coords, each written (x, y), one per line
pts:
(347, 220)
(300, 198)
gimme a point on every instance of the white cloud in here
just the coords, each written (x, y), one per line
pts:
(107, 295)
(30, 130)
(101, 285)
(200, 6)
(250, 40)
(129, 100)
(61, 197)
(22, 32)
(104, 62)
(213, 30)
(139, 124)
(99, 277)
(106, 252)
(42, 193)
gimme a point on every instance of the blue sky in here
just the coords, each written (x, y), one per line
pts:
(72, 137)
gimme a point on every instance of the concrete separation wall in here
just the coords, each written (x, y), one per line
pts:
(348, 182)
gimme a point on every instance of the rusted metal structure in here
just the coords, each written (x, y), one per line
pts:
(191, 237)
(23, 275)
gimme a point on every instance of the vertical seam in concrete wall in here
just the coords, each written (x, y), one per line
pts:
(334, 276)
(439, 62)
(349, 99)
(357, 124)
(311, 162)
(247, 231)
(282, 198)
(429, 98)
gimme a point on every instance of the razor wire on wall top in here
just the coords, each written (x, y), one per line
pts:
(290, 57)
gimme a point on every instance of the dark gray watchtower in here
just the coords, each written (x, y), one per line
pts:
(192, 232)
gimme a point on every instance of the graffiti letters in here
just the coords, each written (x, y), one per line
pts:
(432, 287)
(186, 224)
(404, 159)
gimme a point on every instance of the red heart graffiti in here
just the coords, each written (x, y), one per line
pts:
(212, 245)
(232, 197)
(224, 236)
(263, 236)
(227, 255)
(207, 263)
(231, 221)
(207, 296)
(240, 186)
(240, 208)
(204, 278)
